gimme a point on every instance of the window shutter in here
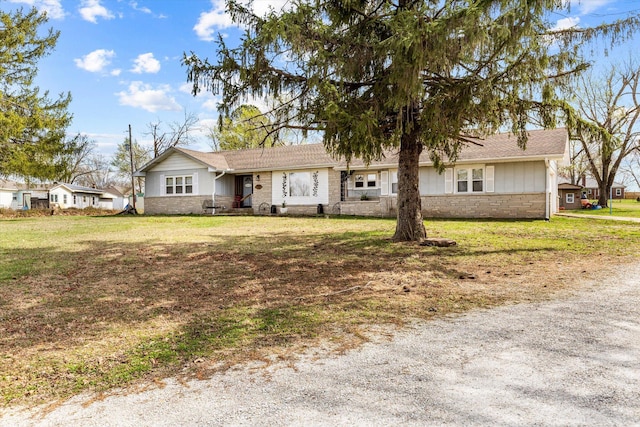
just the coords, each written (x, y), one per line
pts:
(384, 183)
(194, 183)
(163, 188)
(490, 181)
(448, 180)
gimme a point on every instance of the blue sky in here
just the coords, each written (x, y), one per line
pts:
(120, 59)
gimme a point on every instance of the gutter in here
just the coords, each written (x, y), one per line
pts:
(547, 198)
(213, 194)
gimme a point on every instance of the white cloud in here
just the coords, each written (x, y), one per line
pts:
(588, 6)
(53, 8)
(92, 9)
(145, 63)
(95, 61)
(566, 23)
(141, 95)
(116, 72)
(218, 18)
(143, 9)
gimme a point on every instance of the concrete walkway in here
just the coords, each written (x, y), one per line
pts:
(603, 217)
(574, 361)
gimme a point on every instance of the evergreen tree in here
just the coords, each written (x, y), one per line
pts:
(32, 125)
(406, 75)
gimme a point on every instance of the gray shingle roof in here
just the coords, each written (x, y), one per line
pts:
(541, 144)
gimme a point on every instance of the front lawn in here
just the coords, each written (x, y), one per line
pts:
(92, 303)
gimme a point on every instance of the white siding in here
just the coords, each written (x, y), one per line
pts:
(431, 182)
(322, 189)
(524, 177)
(6, 197)
(175, 162)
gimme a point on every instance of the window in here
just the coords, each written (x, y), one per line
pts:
(369, 180)
(54, 198)
(84, 199)
(51, 196)
(300, 184)
(394, 182)
(179, 185)
(64, 199)
(618, 192)
(75, 199)
(570, 198)
(470, 180)
(93, 200)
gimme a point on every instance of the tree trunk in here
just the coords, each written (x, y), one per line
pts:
(603, 196)
(409, 226)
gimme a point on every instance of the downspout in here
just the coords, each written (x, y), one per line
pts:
(213, 194)
(547, 214)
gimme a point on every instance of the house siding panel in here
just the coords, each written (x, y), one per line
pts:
(176, 162)
(526, 177)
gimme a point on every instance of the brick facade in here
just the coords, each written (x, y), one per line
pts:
(529, 206)
(181, 205)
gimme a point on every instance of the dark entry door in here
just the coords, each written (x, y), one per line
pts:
(247, 190)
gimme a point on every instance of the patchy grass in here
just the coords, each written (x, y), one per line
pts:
(92, 303)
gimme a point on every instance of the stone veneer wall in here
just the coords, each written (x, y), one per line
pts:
(529, 206)
(262, 195)
(181, 205)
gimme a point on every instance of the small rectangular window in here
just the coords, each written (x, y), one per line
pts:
(75, 199)
(570, 198)
(64, 199)
(618, 192)
(359, 181)
(169, 185)
(371, 179)
(462, 179)
(51, 198)
(188, 185)
(394, 182)
(476, 176)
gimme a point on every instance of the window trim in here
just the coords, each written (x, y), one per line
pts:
(181, 185)
(469, 169)
(570, 196)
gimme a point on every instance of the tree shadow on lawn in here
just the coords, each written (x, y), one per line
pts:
(112, 312)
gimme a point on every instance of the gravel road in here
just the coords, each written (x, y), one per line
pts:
(574, 361)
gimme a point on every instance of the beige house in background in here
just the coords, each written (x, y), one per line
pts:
(493, 179)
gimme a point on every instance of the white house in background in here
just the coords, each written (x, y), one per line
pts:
(8, 194)
(74, 196)
(492, 178)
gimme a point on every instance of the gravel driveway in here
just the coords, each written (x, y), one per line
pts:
(572, 361)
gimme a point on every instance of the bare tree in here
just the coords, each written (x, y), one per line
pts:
(178, 133)
(603, 117)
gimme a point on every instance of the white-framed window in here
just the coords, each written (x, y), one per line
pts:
(93, 201)
(570, 198)
(470, 180)
(618, 192)
(179, 185)
(394, 182)
(64, 199)
(75, 199)
(366, 180)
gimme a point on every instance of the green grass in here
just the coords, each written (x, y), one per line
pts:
(624, 208)
(92, 303)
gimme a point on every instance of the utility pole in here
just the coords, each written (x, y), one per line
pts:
(133, 186)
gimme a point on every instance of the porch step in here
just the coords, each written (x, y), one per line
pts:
(235, 211)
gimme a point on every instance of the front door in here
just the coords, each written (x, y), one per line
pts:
(26, 201)
(247, 190)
